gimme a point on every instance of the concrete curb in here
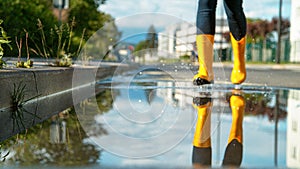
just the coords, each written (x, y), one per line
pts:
(44, 81)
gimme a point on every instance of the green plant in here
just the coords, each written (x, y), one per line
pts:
(18, 101)
(60, 48)
(64, 61)
(185, 57)
(22, 64)
(4, 39)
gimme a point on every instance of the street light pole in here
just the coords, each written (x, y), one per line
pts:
(59, 13)
(60, 5)
(278, 52)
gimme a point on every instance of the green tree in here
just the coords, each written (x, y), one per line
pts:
(87, 16)
(259, 30)
(152, 37)
(150, 42)
(20, 15)
(140, 46)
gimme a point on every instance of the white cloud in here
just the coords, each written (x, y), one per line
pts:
(179, 8)
(133, 17)
(266, 9)
(135, 27)
(144, 20)
(187, 10)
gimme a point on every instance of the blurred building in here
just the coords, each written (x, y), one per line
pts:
(180, 39)
(293, 130)
(185, 39)
(167, 41)
(295, 31)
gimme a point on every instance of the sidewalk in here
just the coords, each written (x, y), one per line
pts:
(262, 66)
(271, 75)
(282, 76)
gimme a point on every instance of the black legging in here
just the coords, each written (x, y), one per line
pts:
(206, 17)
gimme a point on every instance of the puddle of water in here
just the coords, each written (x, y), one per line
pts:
(150, 120)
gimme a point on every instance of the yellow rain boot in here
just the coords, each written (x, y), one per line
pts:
(205, 58)
(238, 74)
(237, 105)
(202, 140)
(234, 150)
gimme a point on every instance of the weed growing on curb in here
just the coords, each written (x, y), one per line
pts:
(28, 63)
(61, 38)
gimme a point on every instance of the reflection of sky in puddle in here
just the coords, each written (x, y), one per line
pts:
(259, 131)
(151, 117)
(140, 119)
(259, 144)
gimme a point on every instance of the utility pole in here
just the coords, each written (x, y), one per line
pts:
(60, 5)
(59, 13)
(278, 52)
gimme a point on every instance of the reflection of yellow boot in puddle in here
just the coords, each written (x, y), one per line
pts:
(202, 141)
(234, 150)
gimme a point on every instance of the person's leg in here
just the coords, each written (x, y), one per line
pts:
(205, 39)
(206, 17)
(237, 25)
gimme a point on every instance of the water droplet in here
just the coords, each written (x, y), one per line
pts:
(140, 73)
(175, 70)
(140, 101)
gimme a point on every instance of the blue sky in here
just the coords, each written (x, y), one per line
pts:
(186, 9)
(181, 9)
